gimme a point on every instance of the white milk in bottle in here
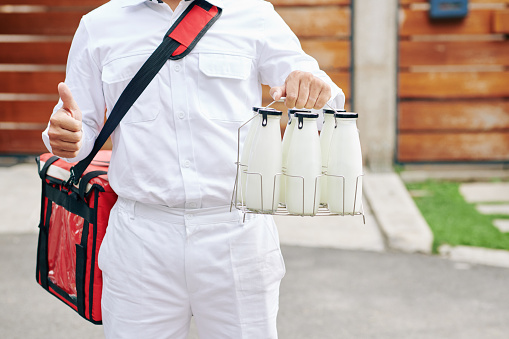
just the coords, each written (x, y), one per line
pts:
(304, 166)
(287, 139)
(329, 124)
(345, 159)
(246, 151)
(264, 164)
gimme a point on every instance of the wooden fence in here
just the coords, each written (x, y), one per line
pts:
(454, 84)
(35, 36)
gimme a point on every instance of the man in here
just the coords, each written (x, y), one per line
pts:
(173, 249)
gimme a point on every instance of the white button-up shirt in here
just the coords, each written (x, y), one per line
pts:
(177, 145)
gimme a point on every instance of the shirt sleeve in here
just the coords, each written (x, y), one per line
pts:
(83, 77)
(281, 54)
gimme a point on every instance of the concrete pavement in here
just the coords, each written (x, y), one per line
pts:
(343, 278)
(326, 294)
(397, 222)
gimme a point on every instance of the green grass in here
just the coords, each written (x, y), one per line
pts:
(455, 222)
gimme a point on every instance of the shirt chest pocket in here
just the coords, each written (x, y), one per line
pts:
(224, 85)
(117, 74)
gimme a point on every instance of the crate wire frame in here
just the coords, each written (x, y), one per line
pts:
(281, 209)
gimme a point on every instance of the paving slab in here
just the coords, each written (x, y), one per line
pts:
(346, 232)
(476, 255)
(493, 209)
(480, 192)
(20, 200)
(502, 225)
(441, 172)
(397, 215)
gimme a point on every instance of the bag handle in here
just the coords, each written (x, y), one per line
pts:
(180, 39)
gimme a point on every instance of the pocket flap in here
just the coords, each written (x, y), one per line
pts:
(124, 68)
(225, 66)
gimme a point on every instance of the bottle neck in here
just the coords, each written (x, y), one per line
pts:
(343, 121)
(328, 117)
(302, 122)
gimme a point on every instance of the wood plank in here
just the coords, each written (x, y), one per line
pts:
(47, 82)
(453, 116)
(329, 54)
(51, 23)
(43, 53)
(453, 147)
(30, 82)
(418, 22)
(81, 3)
(21, 142)
(305, 22)
(26, 111)
(27, 142)
(343, 81)
(100, 2)
(454, 85)
(317, 21)
(409, 2)
(417, 53)
(309, 2)
(501, 22)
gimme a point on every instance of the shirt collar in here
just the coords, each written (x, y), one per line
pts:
(129, 3)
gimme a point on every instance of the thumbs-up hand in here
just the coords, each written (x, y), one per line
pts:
(303, 90)
(65, 126)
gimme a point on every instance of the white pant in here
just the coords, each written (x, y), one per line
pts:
(161, 266)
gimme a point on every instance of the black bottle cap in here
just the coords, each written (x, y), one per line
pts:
(347, 115)
(269, 111)
(332, 111)
(295, 110)
(306, 114)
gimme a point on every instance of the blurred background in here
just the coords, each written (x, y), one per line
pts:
(428, 90)
(430, 81)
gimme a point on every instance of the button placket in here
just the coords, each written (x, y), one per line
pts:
(183, 131)
(191, 205)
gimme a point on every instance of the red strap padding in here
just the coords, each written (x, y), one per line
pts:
(189, 28)
(181, 49)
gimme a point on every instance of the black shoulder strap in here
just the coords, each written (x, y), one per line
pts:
(47, 164)
(180, 39)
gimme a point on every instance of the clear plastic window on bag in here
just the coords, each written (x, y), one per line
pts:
(64, 233)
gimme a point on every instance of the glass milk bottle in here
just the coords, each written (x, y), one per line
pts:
(345, 159)
(329, 124)
(287, 139)
(304, 166)
(246, 150)
(264, 164)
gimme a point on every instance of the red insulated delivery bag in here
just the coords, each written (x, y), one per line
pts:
(72, 227)
(77, 198)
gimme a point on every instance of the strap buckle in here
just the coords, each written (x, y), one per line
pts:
(72, 178)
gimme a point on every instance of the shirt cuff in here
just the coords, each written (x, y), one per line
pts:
(337, 100)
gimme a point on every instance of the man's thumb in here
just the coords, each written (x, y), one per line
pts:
(68, 101)
(277, 92)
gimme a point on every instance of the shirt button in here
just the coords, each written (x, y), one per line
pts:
(177, 68)
(191, 205)
(189, 216)
(181, 115)
(187, 164)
